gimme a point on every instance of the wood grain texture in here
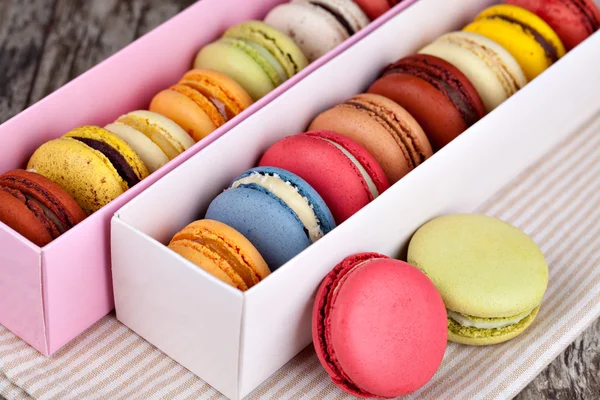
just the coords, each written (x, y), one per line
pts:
(46, 43)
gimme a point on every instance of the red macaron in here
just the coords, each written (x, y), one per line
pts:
(36, 207)
(573, 20)
(379, 326)
(376, 8)
(343, 172)
(440, 97)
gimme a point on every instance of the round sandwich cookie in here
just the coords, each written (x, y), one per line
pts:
(343, 172)
(93, 165)
(383, 128)
(491, 69)
(572, 20)
(277, 211)
(318, 26)
(222, 252)
(36, 207)
(375, 8)
(255, 55)
(201, 102)
(379, 326)
(530, 40)
(440, 97)
(492, 277)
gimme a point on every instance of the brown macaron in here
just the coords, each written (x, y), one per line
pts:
(384, 128)
(36, 207)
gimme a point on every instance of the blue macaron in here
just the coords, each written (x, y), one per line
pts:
(276, 210)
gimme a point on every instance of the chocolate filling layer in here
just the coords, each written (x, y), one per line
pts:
(548, 47)
(115, 158)
(439, 78)
(337, 15)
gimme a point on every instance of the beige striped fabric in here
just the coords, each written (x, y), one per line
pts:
(557, 201)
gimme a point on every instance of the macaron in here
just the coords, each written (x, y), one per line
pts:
(379, 326)
(343, 172)
(277, 211)
(440, 97)
(491, 69)
(376, 8)
(572, 20)
(36, 207)
(318, 26)
(201, 102)
(385, 129)
(531, 41)
(255, 55)
(91, 164)
(492, 277)
(222, 252)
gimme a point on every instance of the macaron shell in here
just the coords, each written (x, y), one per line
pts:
(380, 315)
(152, 156)
(85, 174)
(375, 8)
(328, 170)
(264, 220)
(16, 215)
(349, 10)
(220, 87)
(167, 135)
(280, 45)
(238, 65)
(484, 337)
(519, 42)
(432, 107)
(482, 266)
(493, 71)
(374, 134)
(572, 20)
(314, 30)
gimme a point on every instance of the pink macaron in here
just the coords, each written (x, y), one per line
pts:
(379, 326)
(343, 172)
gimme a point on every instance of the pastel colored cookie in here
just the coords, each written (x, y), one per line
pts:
(221, 251)
(382, 127)
(379, 326)
(201, 102)
(36, 207)
(91, 164)
(440, 97)
(491, 275)
(491, 69)
(343, 172)
(318, 26)
(276, 210)
(530, 40)
(376, 8)
(247, 55)
(572, 20)
(282, 47)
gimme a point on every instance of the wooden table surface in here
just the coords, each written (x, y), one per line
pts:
(46, 43)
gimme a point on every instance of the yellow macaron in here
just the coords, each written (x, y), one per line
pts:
(530, 40)
(93, 165)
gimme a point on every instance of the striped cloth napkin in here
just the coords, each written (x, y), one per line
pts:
(557, 202)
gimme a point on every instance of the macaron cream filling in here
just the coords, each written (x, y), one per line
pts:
(290, 195)
(269, 57)
(469, 321)
(365, 175)
(49, 213)
(337, 15)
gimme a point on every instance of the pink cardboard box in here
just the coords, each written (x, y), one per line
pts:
(50, 295)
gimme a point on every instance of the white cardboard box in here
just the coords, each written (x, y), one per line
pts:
(234, 340)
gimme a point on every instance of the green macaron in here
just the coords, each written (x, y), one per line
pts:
(255, 55)
(492, 277)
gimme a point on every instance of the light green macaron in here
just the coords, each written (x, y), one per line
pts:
(492, 277)
(255, 55)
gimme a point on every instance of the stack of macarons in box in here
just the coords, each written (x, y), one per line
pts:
(307, 183)
(94, 165)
